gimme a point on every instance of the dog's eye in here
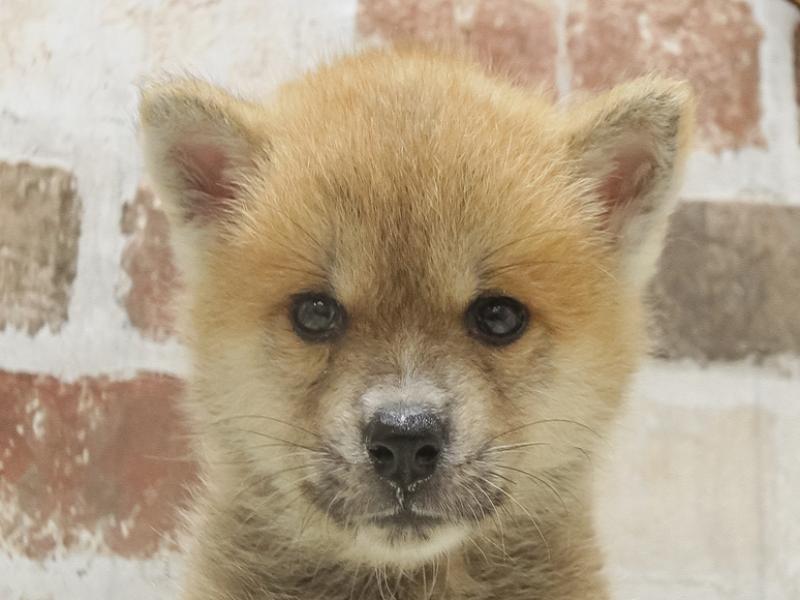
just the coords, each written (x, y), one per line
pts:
(317, 317)
(496, 320)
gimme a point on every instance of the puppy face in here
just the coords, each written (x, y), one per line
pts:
(413, 290)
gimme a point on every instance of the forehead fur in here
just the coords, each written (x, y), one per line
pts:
(392, 180)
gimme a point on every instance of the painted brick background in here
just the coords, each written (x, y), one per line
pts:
(715, 45)
(519, 38)
(148, 265)
(698, 494)
(40, 226)
(99, 455)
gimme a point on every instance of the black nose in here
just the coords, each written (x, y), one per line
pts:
(405, 446)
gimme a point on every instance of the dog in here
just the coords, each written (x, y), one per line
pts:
(414, 299)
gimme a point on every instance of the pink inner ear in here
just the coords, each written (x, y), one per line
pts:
(205, 169)
(622, 188)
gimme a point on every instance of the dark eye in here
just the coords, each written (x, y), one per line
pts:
(496, 320)
(317, 317)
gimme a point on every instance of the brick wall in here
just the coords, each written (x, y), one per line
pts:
(698, 496)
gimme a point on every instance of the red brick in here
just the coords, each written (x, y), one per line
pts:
(40, 216)
(713, 43)
(149, 263)
(99, 458)
(424, 20)
(514, 37)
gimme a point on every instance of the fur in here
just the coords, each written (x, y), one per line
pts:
(404, 183)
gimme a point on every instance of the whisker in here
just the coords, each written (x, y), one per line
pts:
(478, 547)
(462, 505)
(521, 449)
(472, 508)
(262, 446)
(316, 450)
(434, 577)
(544, 482)
(327, 511)
(519, 446)
(258, 460)
(398, 582)
(262, 478)
(503, 477)
(289, 470)
(542, 422)
(527, 512)
(378, 578)
(365, 588)
(307, 518)
(294, 485)
(354, 581)
(265, 417)
(447, 570)
(495, 516)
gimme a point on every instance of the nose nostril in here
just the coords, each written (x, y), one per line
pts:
(404, 446)
(381, 454)
(427, 455)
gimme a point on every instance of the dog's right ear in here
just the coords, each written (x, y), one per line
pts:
(200, 145)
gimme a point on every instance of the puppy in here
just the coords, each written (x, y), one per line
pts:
(414, 301)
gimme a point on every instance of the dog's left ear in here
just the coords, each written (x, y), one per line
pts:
(629, 146)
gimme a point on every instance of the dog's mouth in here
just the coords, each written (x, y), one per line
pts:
(451, 499)
(398, 514)
(405, 518)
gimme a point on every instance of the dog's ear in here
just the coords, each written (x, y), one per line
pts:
(200, 144)
(629, 146)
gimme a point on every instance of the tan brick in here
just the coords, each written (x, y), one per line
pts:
(781, 492)
(781, 488)
(796, 43)
(148, 261)
(98, 459)
(728, 285)
(680, 505)
(514, 37)
(713, 43)
(40, 216)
